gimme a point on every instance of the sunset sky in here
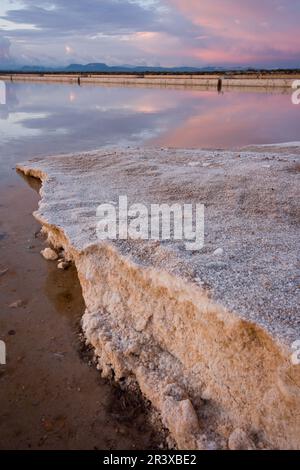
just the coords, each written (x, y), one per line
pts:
(152, 32)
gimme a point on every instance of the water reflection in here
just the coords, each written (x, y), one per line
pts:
(39, 119)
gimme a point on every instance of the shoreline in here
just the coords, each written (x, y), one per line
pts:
(51, 394)
(212, 81)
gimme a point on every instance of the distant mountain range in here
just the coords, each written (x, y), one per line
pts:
(125, 68)
(101, 67)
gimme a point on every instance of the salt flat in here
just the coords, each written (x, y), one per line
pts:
(206, 334)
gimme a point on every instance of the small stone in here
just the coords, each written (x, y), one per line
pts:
(3, 272)
(63, 265)
(49, 254)
(181, 417)
(239, 440)
(18, 304)
(186, 424)
(218, 252)
(11, 332)
(59, 355)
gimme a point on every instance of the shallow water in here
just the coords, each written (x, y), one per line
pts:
(49, 396)
(40, 119)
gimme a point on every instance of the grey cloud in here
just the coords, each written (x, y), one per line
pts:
(96, 30)
(79, 22)
(110, 17)
(86, 16)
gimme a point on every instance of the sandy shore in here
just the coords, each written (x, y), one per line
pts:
(208, 334)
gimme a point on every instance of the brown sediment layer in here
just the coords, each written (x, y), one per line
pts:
(211, 371)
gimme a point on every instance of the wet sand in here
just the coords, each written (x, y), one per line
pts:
(51, 395)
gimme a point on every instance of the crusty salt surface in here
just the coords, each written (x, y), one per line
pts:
(219, 322)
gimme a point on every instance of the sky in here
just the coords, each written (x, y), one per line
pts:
(262, 33)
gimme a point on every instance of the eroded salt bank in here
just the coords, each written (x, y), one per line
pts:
(208, 337)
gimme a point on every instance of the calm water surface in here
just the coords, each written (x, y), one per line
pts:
(40, 119)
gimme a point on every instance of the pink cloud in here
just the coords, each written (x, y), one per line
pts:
(233, 31)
